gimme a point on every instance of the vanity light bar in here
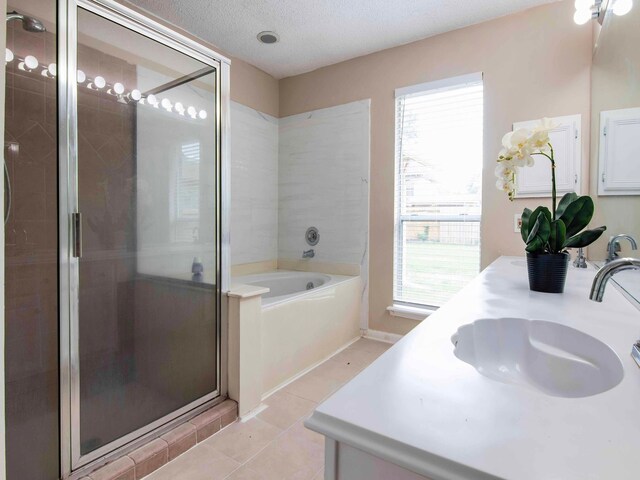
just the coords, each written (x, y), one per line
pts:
(31, 64)
(594, 9)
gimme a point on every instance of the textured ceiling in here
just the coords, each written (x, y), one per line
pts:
(316, 33)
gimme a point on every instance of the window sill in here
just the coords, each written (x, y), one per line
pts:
(413, 313)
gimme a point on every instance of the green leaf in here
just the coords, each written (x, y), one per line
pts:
(533, 218)
(558, 236)
(565, 201)
(524, 228)
(585, 238)
(539, 235)
(577, 214)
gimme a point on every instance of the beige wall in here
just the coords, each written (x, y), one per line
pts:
(535, 63)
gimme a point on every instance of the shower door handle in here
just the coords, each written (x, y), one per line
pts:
(76, 227)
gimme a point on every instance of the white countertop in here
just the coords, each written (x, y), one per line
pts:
(422, 408)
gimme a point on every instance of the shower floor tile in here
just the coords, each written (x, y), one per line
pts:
(275, 444)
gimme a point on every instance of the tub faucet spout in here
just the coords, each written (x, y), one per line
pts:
(308, 253)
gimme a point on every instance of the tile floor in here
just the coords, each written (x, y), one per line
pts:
(275, 444)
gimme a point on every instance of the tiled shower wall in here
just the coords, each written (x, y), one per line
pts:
(323, 181)
(254, 185)
(304, 170)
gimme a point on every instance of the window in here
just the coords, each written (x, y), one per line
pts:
(438, 189)
(188, 193)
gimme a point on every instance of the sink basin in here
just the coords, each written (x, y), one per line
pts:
(549, 357)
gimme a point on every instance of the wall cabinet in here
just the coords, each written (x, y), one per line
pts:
(567, 145)
(619, 162)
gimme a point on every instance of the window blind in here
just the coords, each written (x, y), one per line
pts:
(438, 189)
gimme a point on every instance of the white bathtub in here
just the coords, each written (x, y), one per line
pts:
(305, 318)
(285, 285)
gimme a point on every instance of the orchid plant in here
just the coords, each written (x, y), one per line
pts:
(544, 230)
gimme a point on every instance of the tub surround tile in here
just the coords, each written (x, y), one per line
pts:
(253, 268)
(254, 185)
(150, 457)
(348, 269)
(180, 439)
(121, 469)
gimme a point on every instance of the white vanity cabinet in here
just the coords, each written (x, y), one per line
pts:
(343, 461)
(420, 412)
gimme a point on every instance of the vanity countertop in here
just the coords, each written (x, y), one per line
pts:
(420, 407)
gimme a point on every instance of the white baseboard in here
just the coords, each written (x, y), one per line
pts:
(382, 336)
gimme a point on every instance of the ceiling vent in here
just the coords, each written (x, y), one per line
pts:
(268, 37)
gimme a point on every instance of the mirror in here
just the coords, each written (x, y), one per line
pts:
(615, 131)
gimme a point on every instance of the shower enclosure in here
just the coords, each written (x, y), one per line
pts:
(115, 145)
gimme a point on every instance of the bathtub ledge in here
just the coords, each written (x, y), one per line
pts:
(246, 291)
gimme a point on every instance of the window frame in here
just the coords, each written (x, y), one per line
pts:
(442, 85)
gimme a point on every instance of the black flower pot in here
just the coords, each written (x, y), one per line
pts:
(547, 271)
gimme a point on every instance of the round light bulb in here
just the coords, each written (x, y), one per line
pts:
(179, 108)
(118, 88)
(52, 69)
(99, 82)
(622, 7)
(166, 103)
(135, 94)
(202, 114)
(192, 111)
(151, 98)
(31, 62)
(582, 16)
(80, 76)
(8, 55)
(583, 4)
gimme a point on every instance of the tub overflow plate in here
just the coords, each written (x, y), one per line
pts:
(312, 236)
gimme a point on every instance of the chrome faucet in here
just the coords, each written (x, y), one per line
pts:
(613, 247)
(607, 271)
(600, 282)
(308, 253)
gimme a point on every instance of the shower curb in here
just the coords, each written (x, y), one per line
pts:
(162, 450)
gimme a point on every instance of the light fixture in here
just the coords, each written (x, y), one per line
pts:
(51, 71)
(166, 104)
(268, 37)
(98, 82)
(596, 9)
(622, 7)
(29, 63)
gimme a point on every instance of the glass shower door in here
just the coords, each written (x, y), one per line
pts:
(145, 332)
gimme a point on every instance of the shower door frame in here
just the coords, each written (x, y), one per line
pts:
(70, 454)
